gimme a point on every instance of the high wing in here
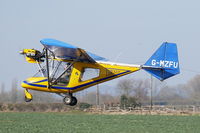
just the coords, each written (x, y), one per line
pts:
(65, 51)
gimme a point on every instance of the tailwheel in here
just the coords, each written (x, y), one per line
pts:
(70, 100)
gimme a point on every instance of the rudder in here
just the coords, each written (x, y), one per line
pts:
(164, 62)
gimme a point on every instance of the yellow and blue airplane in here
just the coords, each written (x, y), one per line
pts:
(65, 69)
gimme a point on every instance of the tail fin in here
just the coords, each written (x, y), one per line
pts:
(164, 62)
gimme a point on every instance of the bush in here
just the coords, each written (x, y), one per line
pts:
(1, 107)
(126, 102)
(10, 107)
(83, 106)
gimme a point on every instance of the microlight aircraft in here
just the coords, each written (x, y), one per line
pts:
(65, 69)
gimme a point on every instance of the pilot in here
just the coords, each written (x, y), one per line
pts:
(65, 77)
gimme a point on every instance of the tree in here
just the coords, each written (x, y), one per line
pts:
(2, 93)
(168, 95)
(13, 93)
(125, 86)
(134, 92)
(123, 101)
(108, 99)
(140, 89)
(193, 88)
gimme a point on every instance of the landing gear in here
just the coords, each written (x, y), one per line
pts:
(73, 102)
(28, 96)
(70, 100)
(27, 99)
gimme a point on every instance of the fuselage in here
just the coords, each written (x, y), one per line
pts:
(102, 72)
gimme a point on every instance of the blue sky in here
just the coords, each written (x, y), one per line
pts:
(127, 31)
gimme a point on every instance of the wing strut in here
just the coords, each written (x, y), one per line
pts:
(41, 69)
(47, 66)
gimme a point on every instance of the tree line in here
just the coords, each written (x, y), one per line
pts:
(138, 91)
(131, 92)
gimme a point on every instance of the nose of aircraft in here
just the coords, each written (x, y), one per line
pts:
(32, 82)
(24, 84)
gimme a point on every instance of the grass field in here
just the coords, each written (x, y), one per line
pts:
(91, 123)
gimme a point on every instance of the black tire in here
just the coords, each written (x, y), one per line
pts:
(27, 99)
(74, 101)
(67, 99)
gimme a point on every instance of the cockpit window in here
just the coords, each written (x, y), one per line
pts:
(64, 77)
(59, 72)
(89, 73)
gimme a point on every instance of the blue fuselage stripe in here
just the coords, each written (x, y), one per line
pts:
(76, 87)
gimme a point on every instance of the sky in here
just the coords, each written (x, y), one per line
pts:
(126, 31)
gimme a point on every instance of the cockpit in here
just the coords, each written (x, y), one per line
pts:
(57, 60)
(59, 72)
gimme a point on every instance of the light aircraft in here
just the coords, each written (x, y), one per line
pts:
(65, 69)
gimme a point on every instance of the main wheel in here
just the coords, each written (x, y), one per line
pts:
(67, 99)
(74, 101)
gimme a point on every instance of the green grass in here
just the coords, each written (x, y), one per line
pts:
(90, 123)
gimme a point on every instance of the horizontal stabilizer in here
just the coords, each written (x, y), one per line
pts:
(164, 62)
